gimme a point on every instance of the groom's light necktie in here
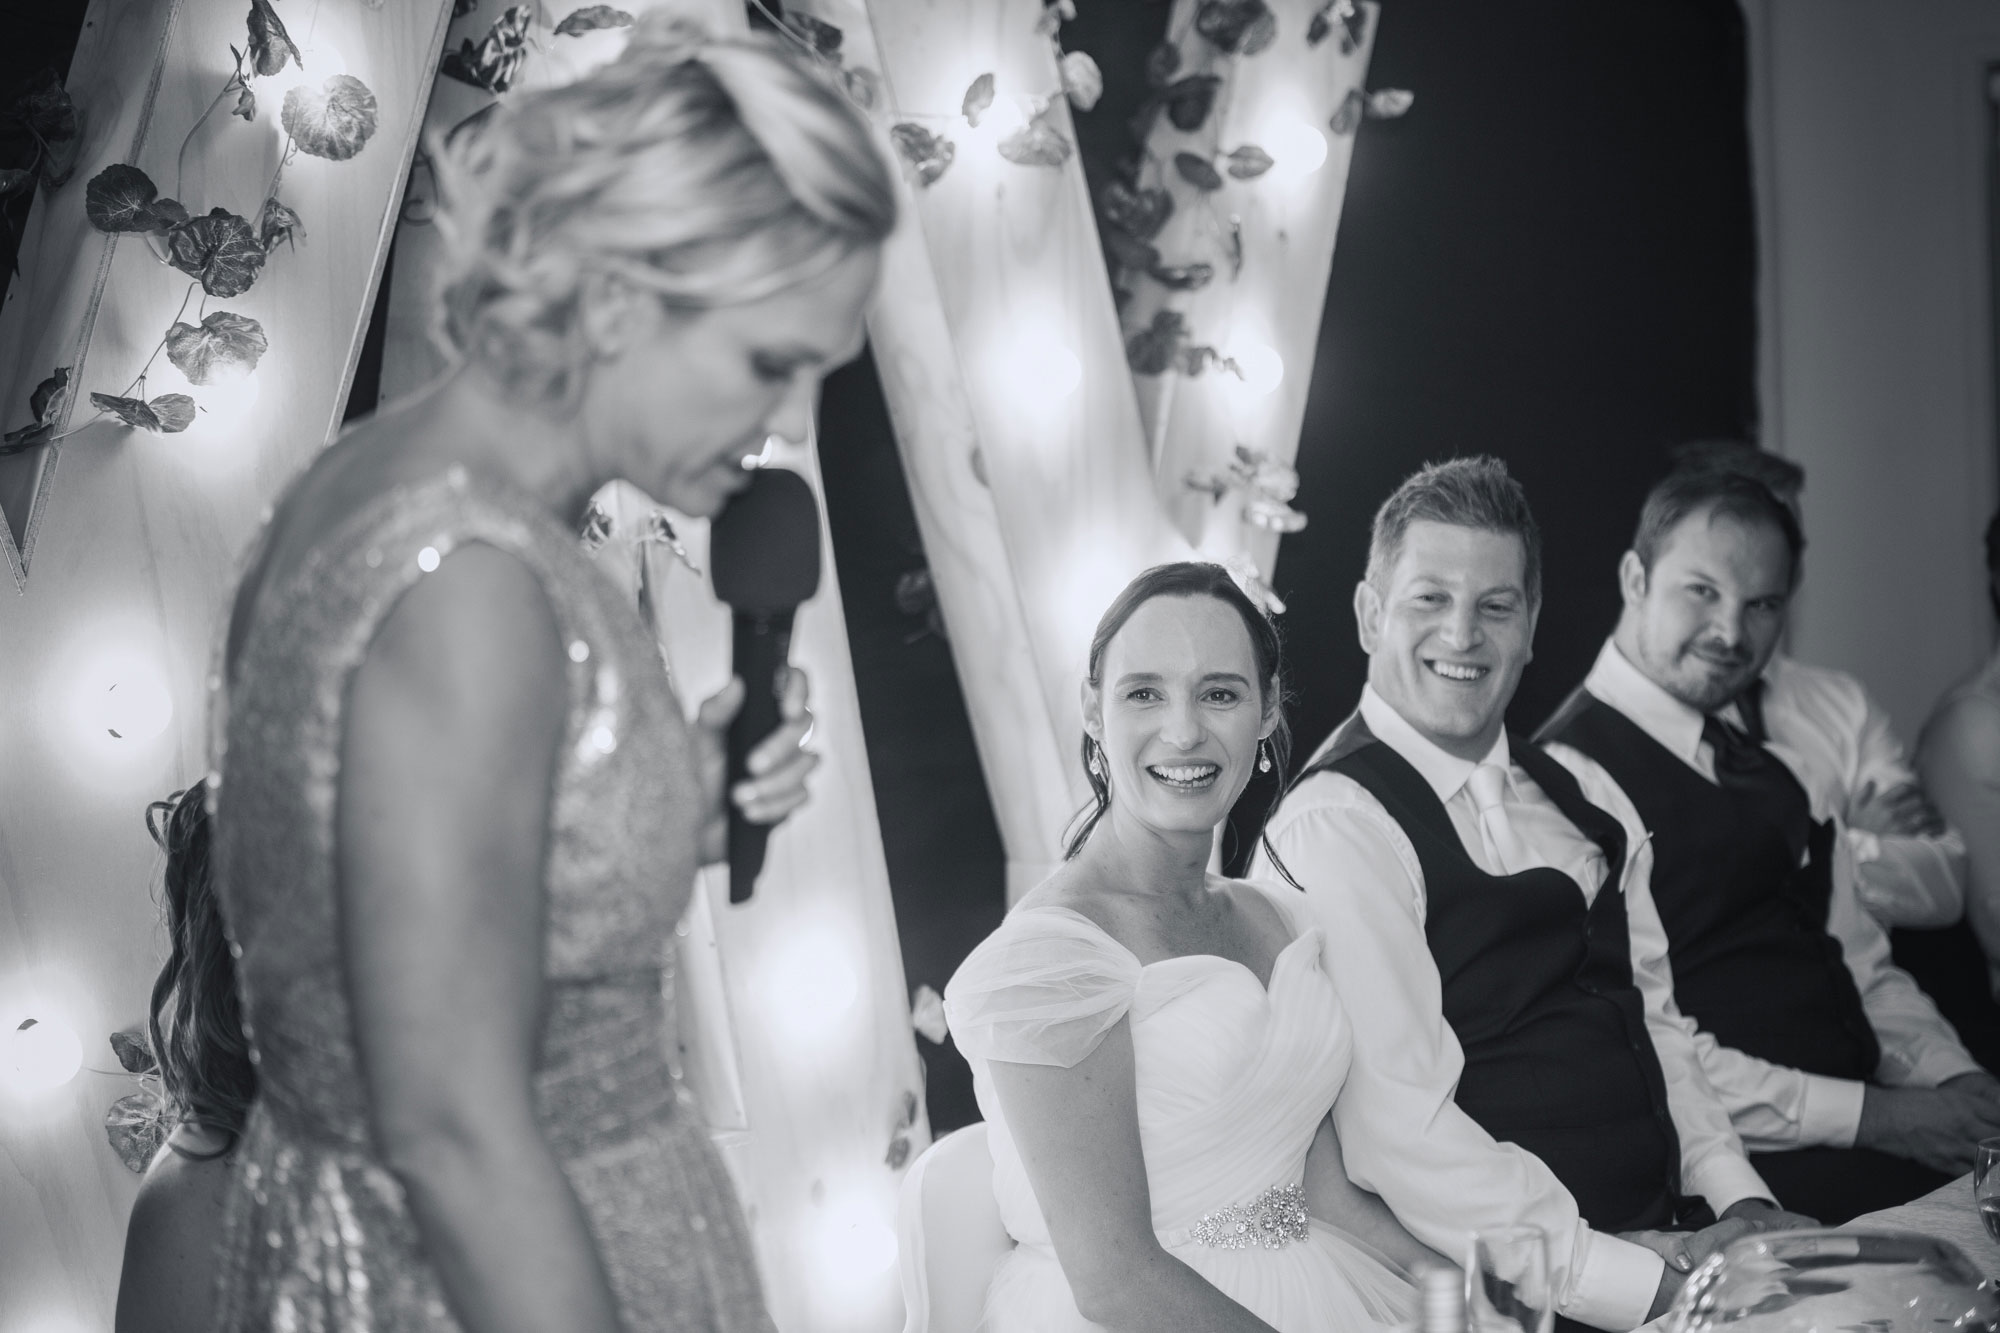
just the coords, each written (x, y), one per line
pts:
(1488, 785)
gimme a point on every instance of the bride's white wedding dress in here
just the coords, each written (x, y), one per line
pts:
(1233, 1082)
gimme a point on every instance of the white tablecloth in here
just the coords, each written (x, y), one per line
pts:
(1946, 1213)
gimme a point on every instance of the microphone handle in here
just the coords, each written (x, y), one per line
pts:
(763, 642)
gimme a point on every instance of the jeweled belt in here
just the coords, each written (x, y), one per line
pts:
(1271, 1221)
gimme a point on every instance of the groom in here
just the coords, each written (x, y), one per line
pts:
(1490, 928)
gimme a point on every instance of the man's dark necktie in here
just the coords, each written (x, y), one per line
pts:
(1745, 767)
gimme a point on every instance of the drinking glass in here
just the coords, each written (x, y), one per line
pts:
(1507, 1281)
(1986, 1184)
(1836, 1282)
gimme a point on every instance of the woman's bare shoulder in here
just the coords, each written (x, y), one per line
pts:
(170, 1243)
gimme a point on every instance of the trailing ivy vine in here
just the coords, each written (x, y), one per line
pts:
(222, 252)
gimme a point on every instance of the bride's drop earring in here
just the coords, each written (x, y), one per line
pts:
(1263, 758)
(1095, 766)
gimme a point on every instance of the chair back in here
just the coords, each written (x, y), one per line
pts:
(950, 1236)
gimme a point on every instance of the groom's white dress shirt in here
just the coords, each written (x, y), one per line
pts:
(1775, 1107)
(1402, 1135)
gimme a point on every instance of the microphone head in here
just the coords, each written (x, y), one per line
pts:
(763, 549)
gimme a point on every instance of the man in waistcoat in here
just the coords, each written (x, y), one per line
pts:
(1850, 1090)
(1516, 1055)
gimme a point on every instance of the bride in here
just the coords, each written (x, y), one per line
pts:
(1155, 1048)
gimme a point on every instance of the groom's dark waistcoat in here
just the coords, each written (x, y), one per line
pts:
(1538, 989)
(1746, 920)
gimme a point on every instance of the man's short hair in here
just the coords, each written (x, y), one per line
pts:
(1781, 476)
(1727, 493)
(1465, 493)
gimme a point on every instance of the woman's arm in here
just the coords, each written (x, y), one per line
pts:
(1078, 1133)
(452, 725)
(1342, 1204)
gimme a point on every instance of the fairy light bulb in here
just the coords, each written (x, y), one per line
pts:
(813, 985)
(1296, 148)
(319, 60)
(1263, 369)
(134, 704)
(41, 1053)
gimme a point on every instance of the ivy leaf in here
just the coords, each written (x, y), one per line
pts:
(1389, 103)
(928, 155)
(1263, 30)
(492, 62)
(1233, 246)
(1131, 253)
(1195, 358)
(1189, 100)
(136, 1126)
(219, 250)
(1151, 350)
(1185, 278)
(590, 18)
(45, 110)
(1347, 116)
(335, 122)
(169, 414)
(1198, 172)
(1321, 25)
(823, 37)
(1082, 80)
(1227, 24)
(277, 223)
(46, 406)
(224, 341)
(1162, 63)
(863, 85)
(270, 45)
(135, 1055)
(246, 102)
(120, 198)
(978, 97)
(1273, 515)
(44, 106)
(1353, 25)
(167, 214)
(1038, 143)
(1249, 162)
(1137, 213)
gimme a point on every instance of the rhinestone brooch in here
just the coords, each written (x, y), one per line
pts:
(1273, 1220)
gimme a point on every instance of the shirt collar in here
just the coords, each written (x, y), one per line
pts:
(1666, 719)
(1446, 773)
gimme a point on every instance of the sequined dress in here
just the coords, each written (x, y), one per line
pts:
(1232, 1080)
(317, 1236)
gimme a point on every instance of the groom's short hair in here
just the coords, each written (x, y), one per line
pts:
(1465, 493)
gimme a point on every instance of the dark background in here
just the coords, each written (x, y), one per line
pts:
(1551, 258)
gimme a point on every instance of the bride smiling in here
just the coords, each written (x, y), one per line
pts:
(1155, 1048)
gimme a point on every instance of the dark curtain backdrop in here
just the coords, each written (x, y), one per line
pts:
(1551, 259)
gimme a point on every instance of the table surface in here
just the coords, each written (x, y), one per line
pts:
(1946, 1213)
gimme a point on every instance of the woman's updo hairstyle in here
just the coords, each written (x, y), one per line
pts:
(1189, 578)
(712, 171)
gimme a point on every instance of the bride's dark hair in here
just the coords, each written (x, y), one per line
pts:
(1191, 578)
(196, 1021)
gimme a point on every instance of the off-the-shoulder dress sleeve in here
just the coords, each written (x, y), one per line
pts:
(1041, 990)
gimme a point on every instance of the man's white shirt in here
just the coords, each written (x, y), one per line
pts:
(1402, 1134)
(1775, 1107)
(1826, 721)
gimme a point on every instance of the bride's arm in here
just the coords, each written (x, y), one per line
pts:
(1078, 1134)
(451, 732)
(1340, 1203)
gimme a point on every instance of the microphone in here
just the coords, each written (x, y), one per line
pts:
(763, 555)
